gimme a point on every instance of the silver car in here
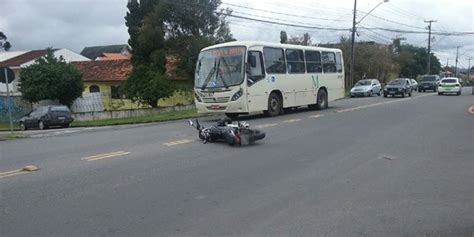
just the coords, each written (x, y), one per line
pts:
(366, 87)
(414, 85)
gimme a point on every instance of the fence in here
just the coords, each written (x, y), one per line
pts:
(92, 102)
(18, 107)
(87, 116)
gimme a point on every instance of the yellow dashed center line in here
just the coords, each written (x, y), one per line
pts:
(292, 120)
(179, 142)
(266, 125)
(24, 170)
(316, 116)
(106, 155)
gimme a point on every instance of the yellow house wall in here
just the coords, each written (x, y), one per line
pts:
(109, 103)
(179, 97)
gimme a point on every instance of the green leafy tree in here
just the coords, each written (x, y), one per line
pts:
(4, 43)
(303, 40)
(371, 59)
(146, 85)
(51, 78)
(158, 28)
(413, 60)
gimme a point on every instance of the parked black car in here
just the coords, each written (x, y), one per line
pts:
(47, 116)
(400, 86)
(429, 82)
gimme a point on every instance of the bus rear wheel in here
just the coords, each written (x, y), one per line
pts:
(274, 105)
(322, 102)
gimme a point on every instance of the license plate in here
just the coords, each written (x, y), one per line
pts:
(61, 118)
(215, 106)
(392, 92)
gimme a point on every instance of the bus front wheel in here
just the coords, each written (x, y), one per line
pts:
(274, 105)
(232, 116)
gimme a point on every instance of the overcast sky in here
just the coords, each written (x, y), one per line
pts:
(75, 24)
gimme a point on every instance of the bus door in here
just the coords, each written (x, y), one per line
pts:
(257, 87)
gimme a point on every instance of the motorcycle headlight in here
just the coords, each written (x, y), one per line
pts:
(237, 95)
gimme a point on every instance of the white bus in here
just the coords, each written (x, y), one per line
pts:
(244, 77)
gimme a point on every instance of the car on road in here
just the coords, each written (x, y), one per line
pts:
(450, 85)
(366, 87)
(399, 86)
(47, 116)
(429, 82)
(414, 85)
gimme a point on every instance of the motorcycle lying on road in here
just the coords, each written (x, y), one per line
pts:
(225, 130)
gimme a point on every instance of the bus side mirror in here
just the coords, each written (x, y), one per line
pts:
(252, 60)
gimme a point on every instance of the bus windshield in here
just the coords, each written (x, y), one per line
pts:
(220, 67)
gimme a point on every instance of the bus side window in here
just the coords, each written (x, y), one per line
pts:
(274, 60)
(329, 62)
(254, 68)
(295, 61)
(313, 61)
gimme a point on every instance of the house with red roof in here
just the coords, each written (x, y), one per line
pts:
(104, 77)
(21, 59)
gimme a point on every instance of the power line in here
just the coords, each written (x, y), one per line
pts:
(287, 24)
(284, 14)
(338, 11)
(387, 20)
(303, 25)
(402, 11)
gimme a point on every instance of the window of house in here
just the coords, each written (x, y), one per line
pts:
(115, 93)
(274, 60)
(329, 62)
(313, 61)
(295, 61)
(94, 89)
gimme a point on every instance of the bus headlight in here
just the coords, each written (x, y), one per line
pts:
(197, 97)
(237, 95)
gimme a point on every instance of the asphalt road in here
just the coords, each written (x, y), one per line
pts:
(365, 167)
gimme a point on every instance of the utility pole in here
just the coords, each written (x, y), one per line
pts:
(354, 23)
(456, 67)
(428, 68)
(351, 76)
(469, 66)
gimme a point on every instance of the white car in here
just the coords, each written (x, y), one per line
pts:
(449, 85)
(414, 84)
(366, 87)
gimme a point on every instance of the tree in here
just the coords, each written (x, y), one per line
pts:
(371, 59)
(4, 43)
(413, 61)
(146, 85)
(51, 78)
(283, 37)
(159, 27)
(303, 40)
